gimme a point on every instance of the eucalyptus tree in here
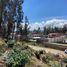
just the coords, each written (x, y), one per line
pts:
(10, 12)
(26, 28)
(19, 16)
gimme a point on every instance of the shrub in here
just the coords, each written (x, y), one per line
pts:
(1, 50)
(47, 57)
(11, 43)
(55, 64)
(17, 58)
(65, 60)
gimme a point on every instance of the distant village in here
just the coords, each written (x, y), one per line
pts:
(56, 35)
(22, 47)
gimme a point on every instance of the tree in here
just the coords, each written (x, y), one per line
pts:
(10, 12)
(26, 28)
(38, 30)
(19, 16)
(64, 28)
(2, 7)
(46, 30)
(16, 15)
(4, 13)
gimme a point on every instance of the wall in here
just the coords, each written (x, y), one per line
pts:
(56, 39)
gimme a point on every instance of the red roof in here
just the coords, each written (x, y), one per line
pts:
(54, 34)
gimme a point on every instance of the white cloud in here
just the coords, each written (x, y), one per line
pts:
(56, 22)
(36, 25)
(51, 23)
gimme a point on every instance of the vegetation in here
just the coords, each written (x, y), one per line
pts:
(18, 57)
(54, 30)
(11, 43)
(17, 53)
(11, 17)
(55, 64)
(65, 59)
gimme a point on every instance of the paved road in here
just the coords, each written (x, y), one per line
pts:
(54, 51)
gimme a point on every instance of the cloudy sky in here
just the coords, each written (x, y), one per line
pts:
(41, 12)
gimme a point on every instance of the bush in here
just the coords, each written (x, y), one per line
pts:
(17, 58)
(55, 64)
(1, 51)
(47, 57)
(65, 60)
(11, 43)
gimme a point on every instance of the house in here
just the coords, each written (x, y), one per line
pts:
(65, 26)
(65, 41)
(66, 34)
(56, 37)
(53, 35)
(34, 36)
(59, 39)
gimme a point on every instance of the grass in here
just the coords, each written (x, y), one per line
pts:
(34, 62)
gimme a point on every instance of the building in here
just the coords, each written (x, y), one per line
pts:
(56, 38)
(34, 36)
(53, 35)
(59, 39)
(65, 26)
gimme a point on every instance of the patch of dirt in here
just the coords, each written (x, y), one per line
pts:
(49, 50)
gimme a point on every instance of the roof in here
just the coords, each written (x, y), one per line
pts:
(34, 35)
(55, 34)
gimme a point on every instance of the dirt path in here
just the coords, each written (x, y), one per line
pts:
(54, 51)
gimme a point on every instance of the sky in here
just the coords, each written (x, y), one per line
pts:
(39, 10)
(43, 12)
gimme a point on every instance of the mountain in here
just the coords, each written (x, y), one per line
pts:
(56, 23)
(49, 23)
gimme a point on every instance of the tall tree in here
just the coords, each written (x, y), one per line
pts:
(64, 28)
(19, 16)
(47, 30)
(2, 6)
(26, 28)
(38, 30)
(10, 12)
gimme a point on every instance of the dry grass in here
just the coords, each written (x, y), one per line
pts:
(2, 42)
(34, 62)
